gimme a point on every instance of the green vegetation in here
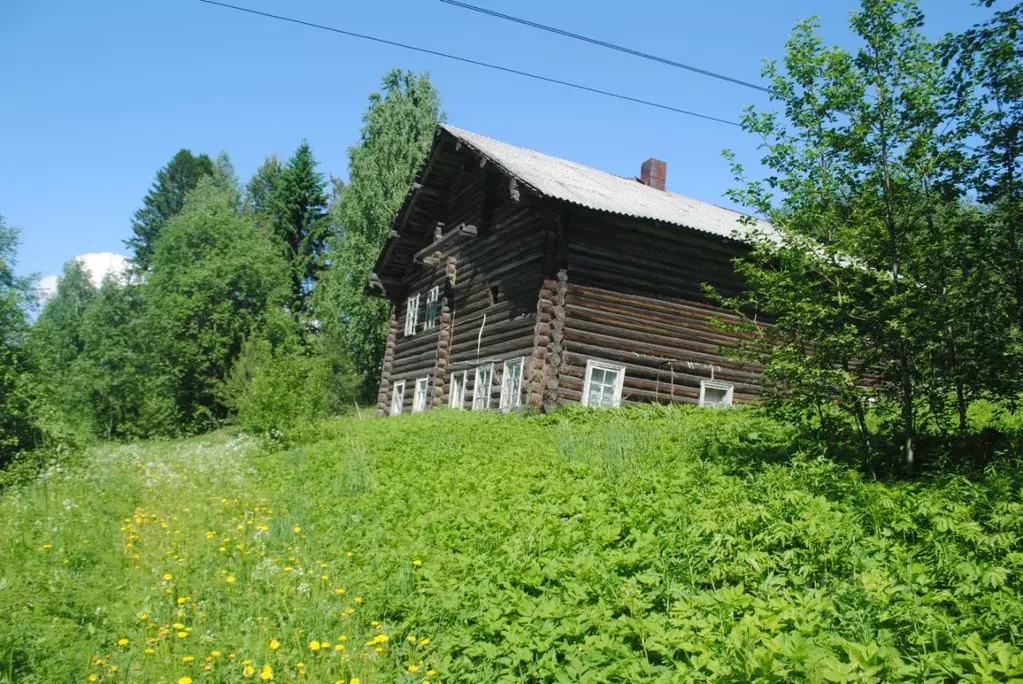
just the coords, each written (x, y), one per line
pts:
(893, 296)
(669, 544)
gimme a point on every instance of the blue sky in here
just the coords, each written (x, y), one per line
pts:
(95, 97)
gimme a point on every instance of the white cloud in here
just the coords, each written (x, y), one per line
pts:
(99, 265)
(47, 286)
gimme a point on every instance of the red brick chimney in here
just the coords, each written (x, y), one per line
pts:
(654, 173)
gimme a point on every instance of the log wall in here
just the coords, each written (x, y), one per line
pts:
(489, 287)
(634, 297)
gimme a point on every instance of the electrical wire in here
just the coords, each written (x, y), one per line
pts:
(466, 60)
(604, 43)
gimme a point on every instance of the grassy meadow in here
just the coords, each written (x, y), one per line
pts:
(646, 544)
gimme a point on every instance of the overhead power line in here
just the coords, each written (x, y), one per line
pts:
(475, 62)
(604, 43)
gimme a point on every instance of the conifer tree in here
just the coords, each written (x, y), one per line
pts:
(164, 201)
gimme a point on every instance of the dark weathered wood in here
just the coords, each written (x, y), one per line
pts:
(383, 395)
(557, 284)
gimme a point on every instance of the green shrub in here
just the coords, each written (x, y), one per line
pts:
(286, 389)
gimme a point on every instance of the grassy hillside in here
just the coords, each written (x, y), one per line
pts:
(670, 545)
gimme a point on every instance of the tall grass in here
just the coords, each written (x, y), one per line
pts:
(649, 544)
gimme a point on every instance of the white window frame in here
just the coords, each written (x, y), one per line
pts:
(398, 398)
(510, 402)
(411, 314)
(489, 368)
(432, 308)
(421, 397)
(591, 365)
(728, 387)
(457, 399)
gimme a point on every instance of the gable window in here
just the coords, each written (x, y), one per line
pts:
(511, 384)
(411, 314)
(458, 389)
(432, 308)
(419, 398)
(715, 393)
(602, 387)
(397, 397)
(481, 387)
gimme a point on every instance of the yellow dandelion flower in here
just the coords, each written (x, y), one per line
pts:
(339, 647)
(143, 617)
(432, 673)
(167, 577)
(188, 659)
(274, 644)
(411, 639)
(300, 666)
(215, 654)
(314, 646)
(424, 642)
(93, 678)
(182, 599)
(178, 626)
(355, 680)
(342, 638)
(358, 600)
(230, 579)
(418, 563)
(182, 635)
(122, 642)
(297, 529)
(149, 651)
(267, 673)
(185, 680)
(248, 671)
(339, 591)
(413, 668)
(378, 649)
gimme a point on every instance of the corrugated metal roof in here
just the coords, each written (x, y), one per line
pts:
(594, 189)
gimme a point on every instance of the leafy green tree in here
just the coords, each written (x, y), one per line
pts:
(18, 429)
(56, 335)
(260, 189)
(215, 280)
(121, 386)
(988, 96)
(397, 132)
(865, 275)
(164, 201)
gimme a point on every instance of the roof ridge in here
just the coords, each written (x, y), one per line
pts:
(468, 137)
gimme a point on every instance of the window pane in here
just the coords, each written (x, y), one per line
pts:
(715, 396)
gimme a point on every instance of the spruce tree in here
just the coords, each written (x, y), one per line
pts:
(164, 201)
(297, 210)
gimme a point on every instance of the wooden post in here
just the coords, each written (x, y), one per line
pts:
(385, 372)
(446, 330)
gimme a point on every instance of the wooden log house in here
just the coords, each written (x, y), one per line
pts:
(517, 278)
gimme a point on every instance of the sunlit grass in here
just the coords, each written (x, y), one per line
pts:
(617, 546)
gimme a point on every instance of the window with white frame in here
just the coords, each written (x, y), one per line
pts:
(432, 308)
(458, 389)
(602, 387)
(397, 397)
(411, 314)
(511, 383)
(715, 393)
(481, 387)
(419, 398)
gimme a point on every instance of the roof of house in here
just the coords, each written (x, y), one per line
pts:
(601, 191)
